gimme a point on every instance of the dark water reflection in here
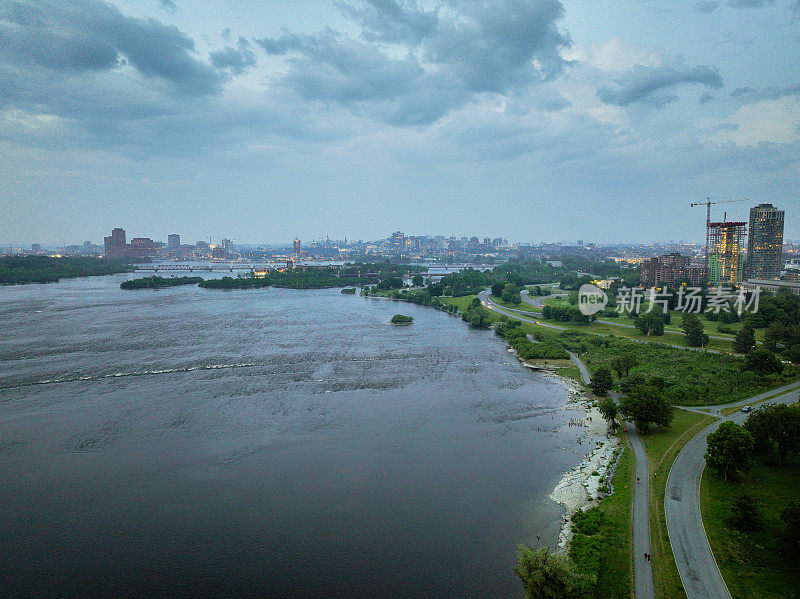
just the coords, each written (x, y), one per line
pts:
(267, 442)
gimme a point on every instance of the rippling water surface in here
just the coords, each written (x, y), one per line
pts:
(265, 442)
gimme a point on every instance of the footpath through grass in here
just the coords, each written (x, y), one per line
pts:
(753, 564)
(662, 447)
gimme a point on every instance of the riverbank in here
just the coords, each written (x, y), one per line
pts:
(590, 481)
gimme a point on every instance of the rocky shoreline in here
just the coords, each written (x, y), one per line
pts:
(582, 487)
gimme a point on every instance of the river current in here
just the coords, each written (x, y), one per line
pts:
(269, 442)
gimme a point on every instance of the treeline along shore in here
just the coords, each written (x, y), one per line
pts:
(19, 270)
(355, 275)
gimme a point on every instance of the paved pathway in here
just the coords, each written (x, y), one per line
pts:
(696, 564)
(642, 569)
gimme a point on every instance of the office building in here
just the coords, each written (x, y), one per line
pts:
(174, 242)
(115, 245)
(142, 247)
(36, 248)
(765, 242)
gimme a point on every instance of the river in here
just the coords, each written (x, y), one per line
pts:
(265, 442)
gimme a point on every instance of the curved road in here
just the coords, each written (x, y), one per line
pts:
(696, 564)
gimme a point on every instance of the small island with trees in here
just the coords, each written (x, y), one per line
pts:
(349, 291)
(400, 319)
(156, 282)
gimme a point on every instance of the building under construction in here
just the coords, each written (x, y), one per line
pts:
(726, 257)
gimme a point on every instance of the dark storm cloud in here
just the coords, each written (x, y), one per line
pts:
(236, 60)
(706, 7)
(446, 58)
(89, 35)
(643, 83)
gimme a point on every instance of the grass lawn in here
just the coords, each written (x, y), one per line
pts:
(627, 333)
(753, 564)
(521, 306)
(616, 558)
(672, 332)
(662, 447)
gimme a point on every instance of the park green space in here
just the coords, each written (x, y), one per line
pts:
(521, 306)
(753, 564)
(673, 333)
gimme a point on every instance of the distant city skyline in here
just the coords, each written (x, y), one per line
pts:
(541, 119)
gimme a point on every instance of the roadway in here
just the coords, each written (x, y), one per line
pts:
(696, 564)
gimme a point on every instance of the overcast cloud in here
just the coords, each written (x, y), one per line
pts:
(358, 117)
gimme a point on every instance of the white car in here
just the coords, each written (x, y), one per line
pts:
(747, 409)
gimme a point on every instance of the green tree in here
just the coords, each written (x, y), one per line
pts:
(778, 426)
(730, 448)
(650, 324)
(602, 381)
(475, 303)
(646, 405)
(745, 514)
(608, 408)
(693, 329)
(511, 294)
(622, 364)
(546, 575)
(745, 340)
(762, 361)
(417, 280)
(791, 521)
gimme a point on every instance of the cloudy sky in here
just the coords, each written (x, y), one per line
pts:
(260, 120)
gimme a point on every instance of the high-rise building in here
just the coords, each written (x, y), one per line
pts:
(765, 243)
(227, 248)
(725, 259)
(36, 248)
(173, 242)
(297, 247)
(398, 241)
(664, 270)
(115, 245)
